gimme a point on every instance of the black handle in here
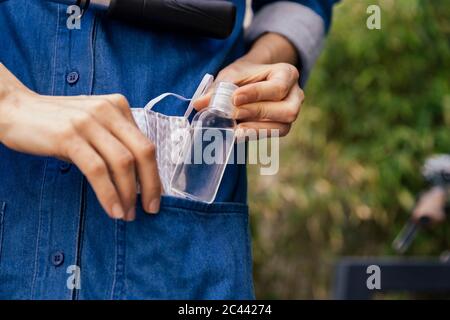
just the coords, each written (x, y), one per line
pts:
(208, 18)
(406, 236)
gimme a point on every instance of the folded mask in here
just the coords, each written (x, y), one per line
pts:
(160, 129)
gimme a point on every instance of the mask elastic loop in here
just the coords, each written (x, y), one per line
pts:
(158, 99)
(205, 84)
(154, 101)
(203, 87)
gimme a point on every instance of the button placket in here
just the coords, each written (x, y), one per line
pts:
(61, 207)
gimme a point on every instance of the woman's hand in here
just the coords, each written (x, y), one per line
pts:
(96, 133)
(269, 96)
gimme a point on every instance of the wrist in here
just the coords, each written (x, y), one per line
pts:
(272, 48)
(5, 110)
(11, 92)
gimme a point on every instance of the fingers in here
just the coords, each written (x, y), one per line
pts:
(281, 78)
(96, 172)
(285, 111)
(149, 178)
(122, 104)
(202, 102)
(262, 129)
(264, 83)
(120, 162)
(273, 90)
(143, 151)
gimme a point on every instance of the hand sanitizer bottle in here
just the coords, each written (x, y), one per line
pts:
(206, 152)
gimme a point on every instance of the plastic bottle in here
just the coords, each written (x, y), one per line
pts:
(205, 154)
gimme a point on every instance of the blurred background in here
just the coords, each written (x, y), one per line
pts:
(377, 105)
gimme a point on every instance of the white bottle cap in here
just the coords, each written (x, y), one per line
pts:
(222, 98)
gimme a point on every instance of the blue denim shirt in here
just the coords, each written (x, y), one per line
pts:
(50, 218)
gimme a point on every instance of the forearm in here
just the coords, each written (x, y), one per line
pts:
(5, 85)
(12, 95)
(272, 48)
(302, 23)
(10, 89)
(9, 84)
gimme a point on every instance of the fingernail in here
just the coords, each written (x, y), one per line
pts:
(154, 206)
(131, 214)
(240, 99)
(117, 211)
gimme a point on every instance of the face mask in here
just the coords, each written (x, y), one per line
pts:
(159, 129)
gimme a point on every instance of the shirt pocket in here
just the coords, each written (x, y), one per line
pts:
(190, 250)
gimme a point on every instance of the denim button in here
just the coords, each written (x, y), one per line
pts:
(57, 258)
(65, 167)
(72, 77)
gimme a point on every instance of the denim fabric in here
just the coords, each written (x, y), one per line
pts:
(47, 210)
(189, 250)
(50, 218)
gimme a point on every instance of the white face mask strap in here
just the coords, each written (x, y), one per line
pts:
(156, 100)
(204, 85)
(201, 90)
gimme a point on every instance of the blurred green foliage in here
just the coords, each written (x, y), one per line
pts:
(378, 104)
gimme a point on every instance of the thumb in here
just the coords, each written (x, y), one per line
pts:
(202, 102)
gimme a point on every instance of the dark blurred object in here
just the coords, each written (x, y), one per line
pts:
(206, 18)
(406, 236)
(432, 205)
(412, 275)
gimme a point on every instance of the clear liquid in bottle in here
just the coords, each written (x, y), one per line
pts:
(205, 154)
